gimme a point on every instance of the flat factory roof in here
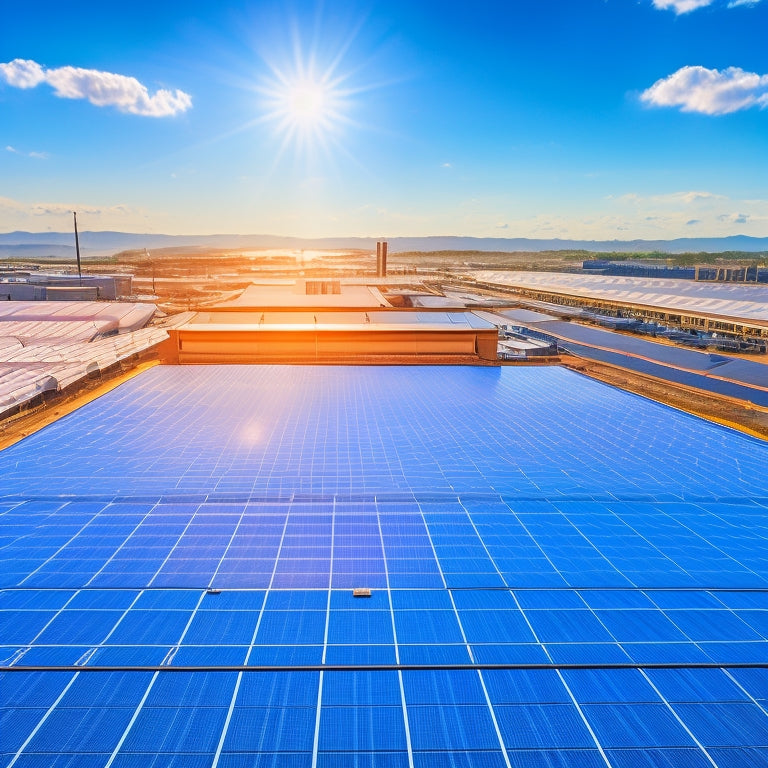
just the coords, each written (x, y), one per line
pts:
(737, 301)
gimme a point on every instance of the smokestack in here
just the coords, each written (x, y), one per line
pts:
(384, 259)
(378, 259)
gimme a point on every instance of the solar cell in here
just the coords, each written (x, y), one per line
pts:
(202, 524)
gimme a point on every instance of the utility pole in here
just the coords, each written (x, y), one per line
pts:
(77, 248)
(152, 265)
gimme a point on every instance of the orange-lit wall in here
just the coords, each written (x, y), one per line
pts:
(217, 346)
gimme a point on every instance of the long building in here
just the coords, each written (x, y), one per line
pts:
(327, 321)
(726, 308)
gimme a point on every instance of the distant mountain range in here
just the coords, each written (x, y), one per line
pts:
(61, 244)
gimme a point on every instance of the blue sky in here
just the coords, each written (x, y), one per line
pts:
(604, 119)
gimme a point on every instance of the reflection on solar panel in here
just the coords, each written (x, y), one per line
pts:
(561, 574)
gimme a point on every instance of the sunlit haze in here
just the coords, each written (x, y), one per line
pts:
(597, 119)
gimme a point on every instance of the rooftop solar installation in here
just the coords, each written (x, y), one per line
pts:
(731, 376)
(733, 300)
(552, 572)
(748, 371)
(46, 346)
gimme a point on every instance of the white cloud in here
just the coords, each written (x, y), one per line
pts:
(709, 91)
(103, 89)
(672, 198)
(21, 73)
(36, 155)
(28, 210)
(681, 6)
(685, 6)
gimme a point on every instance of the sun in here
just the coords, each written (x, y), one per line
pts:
(306, 102)
(307, 108)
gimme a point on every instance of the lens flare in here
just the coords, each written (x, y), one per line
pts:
(308, 108)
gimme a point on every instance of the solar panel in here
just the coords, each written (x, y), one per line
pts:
(560, 573)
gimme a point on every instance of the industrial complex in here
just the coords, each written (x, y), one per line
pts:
(347, 521)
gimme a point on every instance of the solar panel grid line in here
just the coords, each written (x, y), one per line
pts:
(229, 545)
(679, 719)
(122, 618)
(115, 553)
(628, 664)
(319, 706)
(131, 723)
(49, 559)
(494, 719)
(650, 544)
(401, 687)
(568, 690)
(488, 703)
(175, 647)
(536, 542)
(42, 721)
(720, 550)
(233, 700)
(762, 706)
(584, 719)
(52, 619)
(170, 552)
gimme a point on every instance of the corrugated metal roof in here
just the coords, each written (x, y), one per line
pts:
(745, 302)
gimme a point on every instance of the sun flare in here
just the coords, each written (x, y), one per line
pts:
(306, 102)
(307, 109)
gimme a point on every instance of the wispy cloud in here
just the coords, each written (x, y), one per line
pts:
(681, 6)
(102, 89)
(734, 218)
(36, 155)
(709, 91)
(685, 6)
(671, 198)
(35, 209)
(668, 214)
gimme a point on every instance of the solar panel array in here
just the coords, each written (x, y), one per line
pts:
(729, 376)
(561, 574)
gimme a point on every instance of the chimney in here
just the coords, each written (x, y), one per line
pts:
(384, 259)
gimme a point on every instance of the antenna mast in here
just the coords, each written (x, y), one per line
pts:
(77, 248)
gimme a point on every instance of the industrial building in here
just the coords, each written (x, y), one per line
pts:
(654, 268)
(729, 309)
(20, 285)
(47, 346)
(326, 321)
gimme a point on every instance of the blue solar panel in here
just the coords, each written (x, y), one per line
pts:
(447, 727)
(273, 729)
(543, 726)
(513, 516)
